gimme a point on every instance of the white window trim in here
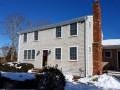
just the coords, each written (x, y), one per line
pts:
(24, 38)
(24, 54)
(34, 37)
(55, 53)
(69, 53)
(77, 30)
(45, 49)
(110, 54)
(27, 55)
(42, 56)
(61, 33)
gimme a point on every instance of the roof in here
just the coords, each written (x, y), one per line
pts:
(110, 42)
(54, 25)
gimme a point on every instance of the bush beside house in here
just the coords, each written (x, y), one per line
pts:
(48, 78)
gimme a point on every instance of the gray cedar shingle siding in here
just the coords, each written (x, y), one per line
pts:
(47, 41)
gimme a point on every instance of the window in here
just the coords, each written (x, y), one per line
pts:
(58, 53)
(25, 54)
(108, 54)
(36, 35)
(73, 29)
(29, 54)
(58, 31)
(25, 37)
(73, 53)
(33, 54)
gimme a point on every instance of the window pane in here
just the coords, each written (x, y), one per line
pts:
(73, 29)
(108, 54)
(29, 54)
(33, 54)
(36, 35)
(25, 54)
(25, 37)
(58, 31)
(73, 53)
(58, 53)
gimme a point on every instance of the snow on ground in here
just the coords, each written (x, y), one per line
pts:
(80, 86)
(69, 78)
(97, 82)
(14, 64)
(18, 76)
(92, 83)
(107, 81)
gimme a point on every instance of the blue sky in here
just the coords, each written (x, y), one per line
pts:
(60, 10)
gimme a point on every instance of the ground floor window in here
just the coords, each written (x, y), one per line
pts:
(58, 53)
(25, 54)
(29, 54)
(73, 53)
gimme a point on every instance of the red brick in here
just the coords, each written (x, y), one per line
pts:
(97, 46)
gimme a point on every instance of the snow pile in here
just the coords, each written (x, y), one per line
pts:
(106, 81)
(80, 86)
(14, 64)
(30, 71)
(94, 82)
(103, 81)
(72, 85)
(18, 76)
(69, 78)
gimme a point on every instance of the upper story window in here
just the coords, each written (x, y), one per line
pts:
(36, 35)
(58, 31)
(25, 37)
(58, 53)
(108, 54)
(73, 29)
(73, 53)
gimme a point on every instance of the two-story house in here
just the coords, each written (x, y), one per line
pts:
(68, 44)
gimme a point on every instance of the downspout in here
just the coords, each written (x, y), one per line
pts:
(85, 70)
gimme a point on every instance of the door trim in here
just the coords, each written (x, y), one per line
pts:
(42, 56)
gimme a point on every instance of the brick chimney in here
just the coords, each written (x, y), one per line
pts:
(97, 39)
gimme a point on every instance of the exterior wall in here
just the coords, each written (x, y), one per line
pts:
(112, 63)
(47, 40)
(88, 46)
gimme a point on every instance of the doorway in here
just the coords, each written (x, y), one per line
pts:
(118, 57)
(45, 57)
